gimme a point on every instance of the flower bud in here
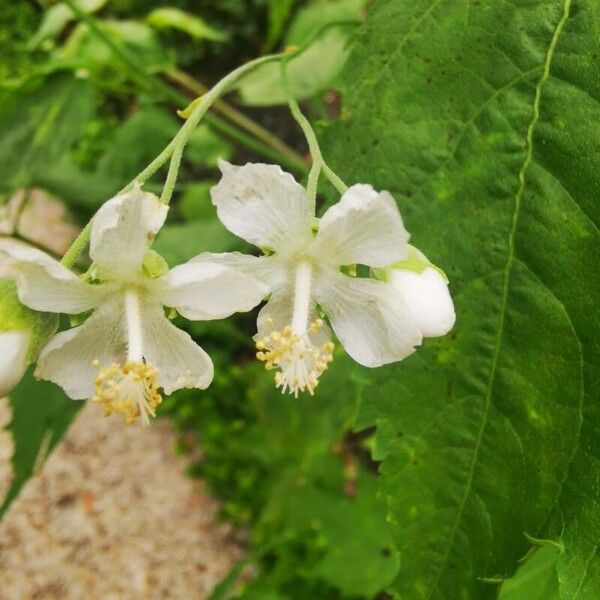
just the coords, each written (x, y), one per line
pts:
(14, 352)
(424, 289)
(22, 334)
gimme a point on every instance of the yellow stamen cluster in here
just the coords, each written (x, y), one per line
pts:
(129, 389)
(299, 361)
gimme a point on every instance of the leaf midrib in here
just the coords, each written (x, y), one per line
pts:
(506, 282)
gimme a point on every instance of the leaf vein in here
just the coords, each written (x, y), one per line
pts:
(507, 277)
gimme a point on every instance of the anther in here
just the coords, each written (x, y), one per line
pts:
(129, 389)
(299, 362)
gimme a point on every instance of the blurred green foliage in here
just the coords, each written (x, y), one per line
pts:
(80, 115)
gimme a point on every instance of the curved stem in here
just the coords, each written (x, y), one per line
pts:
(318, 162)
(173, 150)
(335, 181)
(252, 142)
(77, 247)
(171, 180)
(239, 118)
(176, 145)
(203, 104)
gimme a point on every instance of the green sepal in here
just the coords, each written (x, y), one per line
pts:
(415, 261)
(349, 270)
(76, 320)
(154, 265)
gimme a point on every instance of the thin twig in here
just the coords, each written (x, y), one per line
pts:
(234, 115)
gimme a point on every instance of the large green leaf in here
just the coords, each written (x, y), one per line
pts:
(483, 119)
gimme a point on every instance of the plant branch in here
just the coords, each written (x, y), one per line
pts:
(15, 235)
(235, 116)
(139, 72)
(175, 147)
(318, 162)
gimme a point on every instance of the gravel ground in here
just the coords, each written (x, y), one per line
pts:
(112, 516)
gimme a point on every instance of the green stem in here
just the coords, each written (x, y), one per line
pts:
(335, 181)
(260, 146)
(15, 235)
(174, 150)
(175, 147)
(77, 247)
(318, 162)
(239, 118)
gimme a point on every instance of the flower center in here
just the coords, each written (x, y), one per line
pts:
(292, 350)
(299, 361)
(129, 389)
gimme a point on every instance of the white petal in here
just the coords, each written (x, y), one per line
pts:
(368, 318)
(201, 290)
(269, 270)
(364, 227)
(122, 231)
(180, 362)
(14, 350)
(69, 358)
(46, 285)
(274, 315)
(263, 205)
(427, 297)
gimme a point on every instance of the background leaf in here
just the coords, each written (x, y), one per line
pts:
(59, 15)
(481, 119)
(193, 25)
(316, 68)
(38, 123)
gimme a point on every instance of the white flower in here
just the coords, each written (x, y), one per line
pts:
(303, 264)
(14, 351)
(128, 349)
(424, 290)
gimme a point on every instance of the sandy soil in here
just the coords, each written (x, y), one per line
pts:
(112, 516)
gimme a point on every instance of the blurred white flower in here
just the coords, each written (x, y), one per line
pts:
(22, 331)
(305, 264)
(128, 349)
